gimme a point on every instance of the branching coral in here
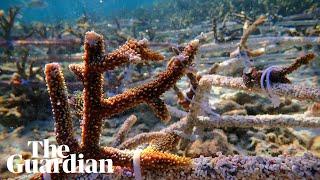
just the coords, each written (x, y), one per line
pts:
(243, 41)
(30, 73)
(281, 89)
(7, 22)
(243, 54)
(184, 100)
(123, 131)
(253, 77)
(96, 107)
(233, 166)
(23, 90)
(154, 160)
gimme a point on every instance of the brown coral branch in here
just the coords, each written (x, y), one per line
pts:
(150, 92)
(96, 108)
(95, 62)
(185, 100)
(249, 30)
(180, 98)
(92, 92)
(132, 51)
(165, 143)
(303, 60)
(78, 70)
(150, 158)
(242, 47)
(58, 95)
(252, 77)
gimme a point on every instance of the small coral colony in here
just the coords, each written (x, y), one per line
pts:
(237, 94)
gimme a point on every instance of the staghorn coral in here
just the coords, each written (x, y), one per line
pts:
(185, 100)
(253, 77)
(29, 73)
(170, 164)
(7, 23)
(281, 89)
(123, 131)
(16, 109)
(6, 27)
(243, 54)
(193, 118)
(247, 31)
(236, 166)
(96, 107)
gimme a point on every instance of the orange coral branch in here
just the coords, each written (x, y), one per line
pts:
(149, 93)
(59, 100)
(96, 108)
(132, 51)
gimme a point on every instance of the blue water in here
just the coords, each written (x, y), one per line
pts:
(68, 10)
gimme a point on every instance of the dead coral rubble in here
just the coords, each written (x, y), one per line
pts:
(191, 122)
(244, 167)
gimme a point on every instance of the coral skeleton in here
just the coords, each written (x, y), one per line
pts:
(194, 118)
(222, 167)
(242, 54)
(282, 89)
(244, 167)
(185, 100)
(123, 131)
(48, 42)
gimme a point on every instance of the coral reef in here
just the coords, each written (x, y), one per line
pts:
(234, 103)
(154, 161)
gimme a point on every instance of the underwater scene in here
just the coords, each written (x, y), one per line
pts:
(159, 89)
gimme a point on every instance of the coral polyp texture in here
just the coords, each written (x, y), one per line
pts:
(97, 107)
